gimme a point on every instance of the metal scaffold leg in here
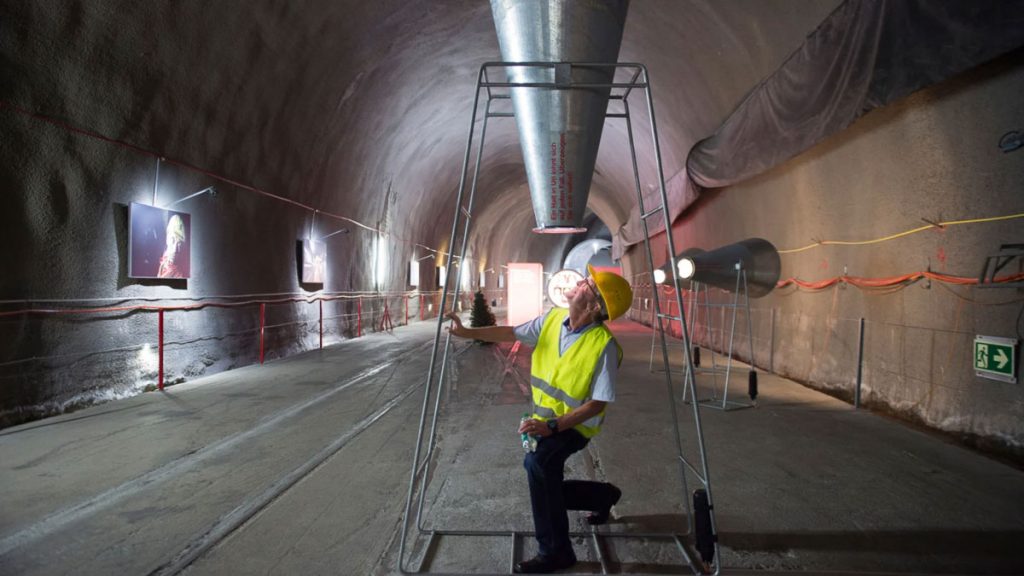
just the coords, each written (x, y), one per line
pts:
(723, 402)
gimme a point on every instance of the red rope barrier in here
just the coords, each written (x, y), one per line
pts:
(161, 310)
(861, 282)
(151, 308)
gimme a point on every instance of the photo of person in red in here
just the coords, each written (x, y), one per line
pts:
(158, 243)
(170, 262)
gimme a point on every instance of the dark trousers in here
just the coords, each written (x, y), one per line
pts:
(551, 495)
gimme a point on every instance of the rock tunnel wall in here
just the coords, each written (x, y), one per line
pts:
(94, 94)
(67, 213)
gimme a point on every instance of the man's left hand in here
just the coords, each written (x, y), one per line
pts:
(535, 427)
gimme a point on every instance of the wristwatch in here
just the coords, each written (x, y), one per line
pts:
(553, 426)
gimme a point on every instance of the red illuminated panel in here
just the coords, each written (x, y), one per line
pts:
(525, 292)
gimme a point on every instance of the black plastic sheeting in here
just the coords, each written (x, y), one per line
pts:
(865, 55)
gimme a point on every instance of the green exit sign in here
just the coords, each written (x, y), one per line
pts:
(995, 358)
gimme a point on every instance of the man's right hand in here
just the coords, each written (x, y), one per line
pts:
(456, 328)
(484, 334)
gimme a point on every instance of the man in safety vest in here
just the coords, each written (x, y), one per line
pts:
(573, 371)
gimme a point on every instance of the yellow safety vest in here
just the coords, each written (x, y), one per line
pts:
(562, 383)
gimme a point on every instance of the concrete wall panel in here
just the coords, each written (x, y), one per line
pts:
(932, 156)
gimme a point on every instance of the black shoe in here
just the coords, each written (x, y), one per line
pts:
(601, 516)
(544, 564)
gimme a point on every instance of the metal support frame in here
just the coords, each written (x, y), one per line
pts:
(657, 335)
(741, 289)
(995, 263)
(421, 463)
(692, 310)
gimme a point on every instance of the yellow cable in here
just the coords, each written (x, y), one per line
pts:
(1007, 217)
(901, 234)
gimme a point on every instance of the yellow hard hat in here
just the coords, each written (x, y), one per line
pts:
(615, 292)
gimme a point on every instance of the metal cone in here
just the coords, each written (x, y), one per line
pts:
(560, 129)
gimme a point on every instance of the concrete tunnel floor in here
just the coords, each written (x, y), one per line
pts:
(302, 466)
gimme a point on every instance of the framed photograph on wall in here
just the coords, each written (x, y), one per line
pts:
(414, 274)
(159, 242)
(314, 262)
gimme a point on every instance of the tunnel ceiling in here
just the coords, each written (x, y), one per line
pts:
(362, 108)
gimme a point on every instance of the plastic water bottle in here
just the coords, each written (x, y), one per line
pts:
(529, 442)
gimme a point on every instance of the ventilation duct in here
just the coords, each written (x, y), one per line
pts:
(718, 267)
(559, 129)
(594, 251)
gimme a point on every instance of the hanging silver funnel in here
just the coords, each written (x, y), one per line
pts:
(560, 129)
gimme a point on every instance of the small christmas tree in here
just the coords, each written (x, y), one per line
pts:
(481, 314)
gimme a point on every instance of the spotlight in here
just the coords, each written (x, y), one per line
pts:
(685, 268)
(148, 359)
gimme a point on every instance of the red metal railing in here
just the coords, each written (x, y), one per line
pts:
(376, 314)
(376, 303)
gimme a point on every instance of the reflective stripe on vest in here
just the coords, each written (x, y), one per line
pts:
(561, 384)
